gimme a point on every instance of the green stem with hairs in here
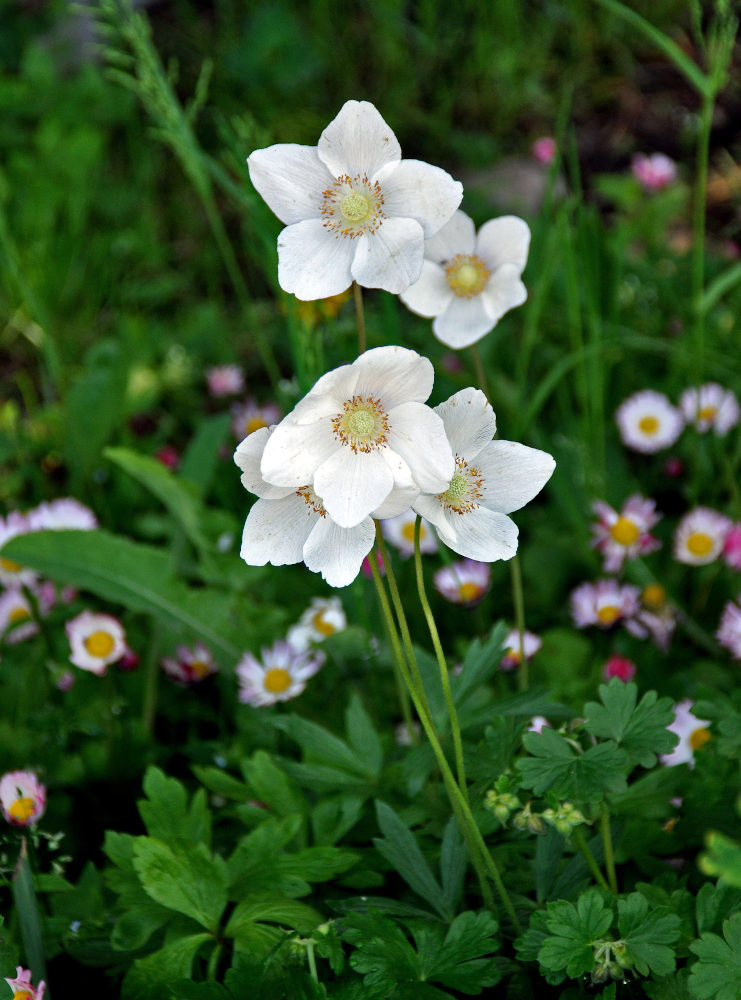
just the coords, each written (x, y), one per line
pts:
(478, 366)
(359, 315)
(518, 601)
(607, 847)
(583, 847)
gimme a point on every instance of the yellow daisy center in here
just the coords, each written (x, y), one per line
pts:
(200, 668)
(707, 412)
(99, 644)
(277, 680)
(653, 596)
(469, 591)
(467, 275)
(648, 425)
(22, 809)
(9, 566)
(352, 206)
(254, 423)
(363, 425)
(19, 614)
(608, 614)
(466, 488)
(21, 995)
(321, 625)
(699, 544)
(624, 531)
(699, 737)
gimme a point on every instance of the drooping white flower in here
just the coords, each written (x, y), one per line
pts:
(465, 582)
(96, 640)
(603, 603)
(491, 479)
(469, 281)
(648, 422)
(353, 209)
(700, 536)
(189, 666)
(624, 534)
(323, 617)
(692, 732)
(280, 675)
(729, 630)
(710, 407)
(363, 436)
(399, 531)
(22, 798)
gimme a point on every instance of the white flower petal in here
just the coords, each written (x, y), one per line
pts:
(428, 505)
(291, 179)
(326, 397)
(470, 423)
(504, 241)
(431, 294)
(503, 292)
(358, 141)
(275, 531)
(513, 474)
(416, 190)
(481, 534)
(395, 375)
(463, 323)
(247, 457)
(312, 263)
(351, 485)
(391, 258)
(458, 235)
(418, 435)
(399, 500)
(295, 451)
(337, 553)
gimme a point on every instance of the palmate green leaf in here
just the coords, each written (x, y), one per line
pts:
(639, 729)
(458, 961)
(270, 784)
(323, 747)
(167, 815)
(400, 848)
(573, 929)
(192, 883)
(714, 904)
(722, 858)
(717, 973)
(647, 935)
(270, 909)
(556, 765)
(135, 575)
(152, 976)
(669, 988)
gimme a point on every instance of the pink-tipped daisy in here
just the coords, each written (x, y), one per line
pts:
(96, 640)
(648, 422)
(544, 150)
(22, 798)
(224, 380)
(512, 658)
(603, 603)
(729, 630)
(250, 416)
(732, 547)
(323, 617)
(399, 531)
(625, 534)
(281, 675)
(700, 536)
(189, 665)
(22, 988)
(653, 172)
(64, 514)
(16, 616)
(692, 732)
(465, 582)
(710, 407)
(11, 572)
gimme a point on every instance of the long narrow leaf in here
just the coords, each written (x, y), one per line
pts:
(28, 916)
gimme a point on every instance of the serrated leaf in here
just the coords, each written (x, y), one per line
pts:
(556, 765)
(459, 963)
(273, 786)
(402, 851)
(194, 884)
(647, 934)
(714, 904)
(322, 746)
(639, 729)
(274, 910)
(167, 815)
(383, 955)
(573, 930)
(363, 736)
(717, 974)
(722, 859)
(151, 976)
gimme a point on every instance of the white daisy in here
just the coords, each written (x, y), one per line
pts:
(648, 422)
(323, 617)
(399, 531)
(250, 416)
(603, 603)
(465, 582)
(692, 732)
(22, 798)
(96, 640)
(729, 630)
(280, 676)
(224, 380)
(512, 658)
(353, 209)
(64, 514)
(189, 666)
(700, 536)
(710, 407)
(360, 433)
(468, 281)
(624, 534)
(22, 987)
(491, 479)
(16, 616)
(11, 573)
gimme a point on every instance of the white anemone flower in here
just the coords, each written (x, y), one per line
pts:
(710, 407)
(648, 422)
(281, 675)
(361, 435)
(323, 617)
(700, 536)
(353, 209)
(469, 281)
(96, 640)
(491, 479)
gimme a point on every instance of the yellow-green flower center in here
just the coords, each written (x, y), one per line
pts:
(363, 425)
(200, 668)
(648, 425)
(21, 810)
(22, 995)
(355, 206)
(699, 544)
(624, 531)
(352, 206)
(277, 680)
(466, 488)
(467, 275)
(99, 644)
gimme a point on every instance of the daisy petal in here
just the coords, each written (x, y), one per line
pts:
(431, 295)
(417, 434)
(275, 531)
(505, 240)
(514, 474)
(352, 484)
(503, 292)
(312, 264)
(291, 179)
(391, 258)
(396, 373)
(416, 190)
(469, 420)
(463, 323)
(337, 553)
(358, 141)
(458, 235)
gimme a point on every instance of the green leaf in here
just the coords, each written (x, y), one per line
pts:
(363, 736)
(459, 963)
(201, 457)
(714, 904)
(639, 729)
(194, 884)
(264, 908)
(648, 934)
(573, 930)
(166, 813)
(400, 848)
(271, 785)
(556, 765)
(453, 864)
(717, 974)
(671, 988)
(132, 574)
(480, 664)
(29, 917)
(152, 976)
(722, 859)
(383, 954)
(333, 816)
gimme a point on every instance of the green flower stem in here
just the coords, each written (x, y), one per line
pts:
(594, 868)
(359, 315)
(441, 662)
(151, 684)
(699, 209)
(479, 369)
(518, 601)
(312, 960)
(607, 847)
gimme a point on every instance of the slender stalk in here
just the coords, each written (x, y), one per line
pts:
(607, 847)
(312, 960)
(699, 209)
(594, 868)
(359, 315)
(397, 657)
(518, 601)
(151, 685)
(441, 662)
(480, 370)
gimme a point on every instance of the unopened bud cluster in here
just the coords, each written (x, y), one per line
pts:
(565, 818)
(501, 804)
(526, 819)
(610, 960)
